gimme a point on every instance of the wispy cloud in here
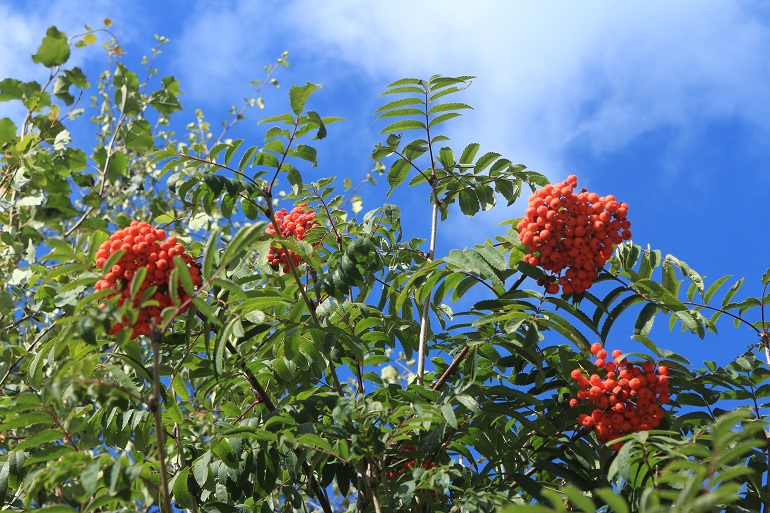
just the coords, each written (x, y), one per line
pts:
(23, 26)
(552, 74)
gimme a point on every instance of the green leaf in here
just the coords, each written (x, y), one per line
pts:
(184, 275)
(245, 238)
(613, 500)
(398, 113)
(645, 320)
(403, 102)
(7, 132)
(447, 158)
(26, 420)
(443, 117)
(231, 149)
(54, 50)
(404, 90)
(38, 439)
(209, 254)
(201, 469)
(731, 292)
(397, 174)
(315, 118)
(5, 471)
(486, 196)
(181, 489)
(449, 415)
(469, 202)
(404, 124)
(298, 95)
(714, 287)
(305, 152)
(469, 153)
(443, 107)
(139, 136)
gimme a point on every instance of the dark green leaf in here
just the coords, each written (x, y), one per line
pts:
(645, 319)
(181, 489)
(469, 202)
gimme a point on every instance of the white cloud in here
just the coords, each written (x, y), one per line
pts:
(24, 26)
(551, 74)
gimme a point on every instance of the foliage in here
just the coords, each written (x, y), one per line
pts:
(280, 389)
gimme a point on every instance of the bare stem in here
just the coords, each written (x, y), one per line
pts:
(155, 335)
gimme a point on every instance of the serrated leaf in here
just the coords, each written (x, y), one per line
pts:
(469, 153)
(305, 152)
(181, 489)
(645, 320)
(403, 90)
(443, 107)
(397, 174)
(714, 287)
(403, 102)
(201, 469)
(298, 95)
(26, 420)
(246, 157)
(397, 113)
(316, 119)
(469, 202)
(449, 415)
(402, 125)
(443, 117)
(731, 292)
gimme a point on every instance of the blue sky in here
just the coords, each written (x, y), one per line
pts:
(665, 105)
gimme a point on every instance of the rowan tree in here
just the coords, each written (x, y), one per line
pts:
(179, 335)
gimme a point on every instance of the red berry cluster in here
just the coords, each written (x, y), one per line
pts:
(573, 230)
(144, 247)
(626, 401)
(426, 464)
(292, 224)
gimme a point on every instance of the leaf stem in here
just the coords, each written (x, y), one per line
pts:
(425, 314)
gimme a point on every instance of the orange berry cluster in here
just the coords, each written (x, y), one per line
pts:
(626, 401)
(145, 247)
(292, 224)
(564, 228)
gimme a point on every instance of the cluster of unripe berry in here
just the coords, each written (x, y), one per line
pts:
(292, 224)
(628, 398)
(567, 229)
(144, 246)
